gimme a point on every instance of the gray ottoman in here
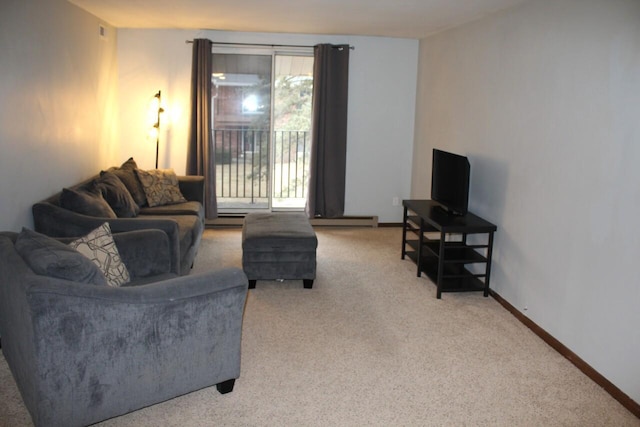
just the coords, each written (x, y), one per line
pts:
(279, 246)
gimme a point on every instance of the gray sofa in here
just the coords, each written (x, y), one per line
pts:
(82, 353)
(182, 222)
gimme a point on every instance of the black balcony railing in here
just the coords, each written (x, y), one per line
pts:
(245, 162)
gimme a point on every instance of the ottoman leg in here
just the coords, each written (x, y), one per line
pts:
(252, 284)
(308, 283)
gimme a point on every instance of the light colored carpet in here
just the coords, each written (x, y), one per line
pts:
(371, 345)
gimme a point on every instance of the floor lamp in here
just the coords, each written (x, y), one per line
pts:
(159, 109)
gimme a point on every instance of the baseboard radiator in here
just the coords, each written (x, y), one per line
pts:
(346, 221)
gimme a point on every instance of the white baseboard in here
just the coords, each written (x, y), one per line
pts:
(347, 221)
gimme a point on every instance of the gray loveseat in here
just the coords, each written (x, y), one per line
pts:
(82, 353)
(183, 222)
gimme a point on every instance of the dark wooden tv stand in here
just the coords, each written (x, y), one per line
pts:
(453, 261)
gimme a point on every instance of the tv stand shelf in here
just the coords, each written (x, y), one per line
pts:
(455, 264)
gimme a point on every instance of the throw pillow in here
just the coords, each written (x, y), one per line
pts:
(87, 202)
(100, 248)
(161, 187)
(126, 173)
(117, 195)
(49, 257)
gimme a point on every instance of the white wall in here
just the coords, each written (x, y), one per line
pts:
(57, 102)
(381, 106)
(545, 100)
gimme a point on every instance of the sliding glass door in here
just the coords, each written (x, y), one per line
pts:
(241, 108)
(261, 125)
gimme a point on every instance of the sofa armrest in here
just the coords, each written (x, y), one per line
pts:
(55, 221)
(192, 187)
(172, 291)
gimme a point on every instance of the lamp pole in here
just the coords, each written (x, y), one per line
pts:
(157, 126)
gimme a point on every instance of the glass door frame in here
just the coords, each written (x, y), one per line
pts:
(272, 51)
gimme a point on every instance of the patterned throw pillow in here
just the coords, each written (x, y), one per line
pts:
(160, 186)
(100, 248)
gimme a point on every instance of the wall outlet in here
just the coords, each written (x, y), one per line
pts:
(395, 201)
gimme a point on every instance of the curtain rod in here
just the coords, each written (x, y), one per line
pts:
(260, 44)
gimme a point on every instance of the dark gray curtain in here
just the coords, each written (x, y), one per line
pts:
(328, 131)
(201, 151)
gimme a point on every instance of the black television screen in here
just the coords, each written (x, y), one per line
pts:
(450, 181)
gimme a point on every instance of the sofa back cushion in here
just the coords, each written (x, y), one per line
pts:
(48, 257)
(86, 201)
(117, 196)
(127, 174)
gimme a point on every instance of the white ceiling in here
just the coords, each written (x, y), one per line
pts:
(390, 18)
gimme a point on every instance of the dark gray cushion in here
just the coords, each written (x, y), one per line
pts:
(87, 202)
(126, 173)
(117, 195)
(278, 231)
(48, 257)
(186, 208)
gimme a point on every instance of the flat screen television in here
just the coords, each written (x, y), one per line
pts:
(450, 181)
